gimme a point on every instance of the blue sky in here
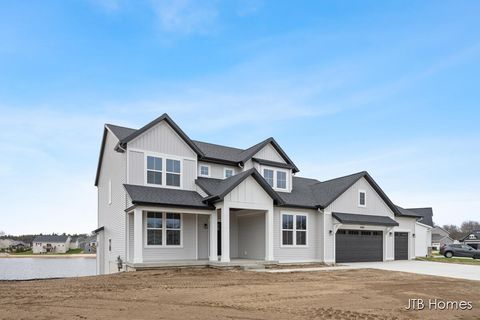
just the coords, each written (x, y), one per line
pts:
(385, 86)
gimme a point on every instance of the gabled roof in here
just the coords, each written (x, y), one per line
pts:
(173, 125)
(218, 153)
(426, 215)
(364, 219)
(120, 132)
(217, 189)
(474, 232)
(51, 238)
(166, 197)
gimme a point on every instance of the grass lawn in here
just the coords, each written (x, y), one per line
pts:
(24, 253)
(74, 251)
(29, 253)
(452, 260)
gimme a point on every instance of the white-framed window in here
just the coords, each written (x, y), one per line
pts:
(362, 198)
(109, 191)
(163, 229)
(472, 237)
(268, 175)
(228, 172)
(163, 171)
(276, 178)
(204, 170)
(294, 229)
(154, 170)
(173, 173)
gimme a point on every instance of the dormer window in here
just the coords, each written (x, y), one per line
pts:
(205, 171)
(362, 198)
(268, 175)
(281, 180)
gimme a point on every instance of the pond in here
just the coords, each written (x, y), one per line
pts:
(41, 268)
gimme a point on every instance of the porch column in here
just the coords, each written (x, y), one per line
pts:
(213, 236)
(269, 235)
(225, 234)
(137, 236)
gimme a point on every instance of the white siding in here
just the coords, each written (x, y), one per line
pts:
(216, 170)
(189, 174)
(300, 253)
(112, 216)
(202, 236)
(136, 170)
(422, 240)
(348, 201)
(163, 139)
(248, 194)
(251, 236)
(329, 238)
(186, 252)
(130, 237)
(269, 153)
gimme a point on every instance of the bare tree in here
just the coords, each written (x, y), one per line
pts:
(469, 226)
(454, 231)
(2, 233)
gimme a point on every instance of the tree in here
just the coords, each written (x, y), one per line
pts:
(454, 231)
(2, 233)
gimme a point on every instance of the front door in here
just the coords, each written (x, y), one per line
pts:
(219, 238)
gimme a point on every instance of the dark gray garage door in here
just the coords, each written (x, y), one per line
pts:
(401, 245)
(358, 246)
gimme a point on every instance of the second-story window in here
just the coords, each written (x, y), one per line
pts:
(204, 171)
(268, 175)
(154, 170)
(173, 173)
(362, 198)
(228, 173)
(281, 180)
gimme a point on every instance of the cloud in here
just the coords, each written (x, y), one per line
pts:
(185, 16)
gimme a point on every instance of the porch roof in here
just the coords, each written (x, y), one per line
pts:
(363, 219)
(165, 197)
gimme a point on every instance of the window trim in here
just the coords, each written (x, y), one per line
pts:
(358, 198)
(294, 214)
(225, 172)
(164, 231)
(164, 170)
(275, 170)
(200, 170)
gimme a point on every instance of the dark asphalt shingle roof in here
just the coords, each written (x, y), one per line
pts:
(437, 237)
(425, 213)
(364, 219)
(217, 189)
(51, 238)
(120, 132)
(164, 196)
(216, 151)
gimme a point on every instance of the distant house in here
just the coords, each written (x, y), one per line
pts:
(440, 237)
(13, 245)
(74, 242)
(88, 244)
(472, 239)
(51, 244)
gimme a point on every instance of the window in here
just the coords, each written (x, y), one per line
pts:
(268, 175)
(154, 228)
(281, 180)
(173, 173)
(362, 198)
(472, 237)
(164, 229)
(173, 229)
(294, 230)
(228, 173)
(205, 171)
(154, 170)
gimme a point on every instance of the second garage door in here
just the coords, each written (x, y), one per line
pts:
(358, 246)
(401, 245)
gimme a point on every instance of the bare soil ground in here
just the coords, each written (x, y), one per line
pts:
(217, 294)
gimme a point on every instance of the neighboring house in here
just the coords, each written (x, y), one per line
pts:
(6, 243)
(164, 198)
(74, 242)
(440, 237)
(13, 245)
(51, 244)
(88, 244)
(472, 239)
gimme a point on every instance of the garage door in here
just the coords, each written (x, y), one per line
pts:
(358, 246)
(401, 245)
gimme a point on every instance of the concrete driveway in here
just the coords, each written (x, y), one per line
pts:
(451, 270)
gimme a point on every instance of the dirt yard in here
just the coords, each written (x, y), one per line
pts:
(214, 294)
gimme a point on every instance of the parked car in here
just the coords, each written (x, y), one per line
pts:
(459, 250)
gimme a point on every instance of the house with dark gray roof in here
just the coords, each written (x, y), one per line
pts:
(51, 244)
(472, 239)
(165, 199)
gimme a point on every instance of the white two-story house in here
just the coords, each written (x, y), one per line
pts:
(164, 199)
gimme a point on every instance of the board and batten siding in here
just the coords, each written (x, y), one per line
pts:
(308, 253)
(112, 215)
(217, 171)
(249, 195)
(162, 139)
(269, 153)
(348, 201)
(187, 251)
